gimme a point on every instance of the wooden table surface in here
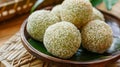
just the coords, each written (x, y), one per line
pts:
(9, 27)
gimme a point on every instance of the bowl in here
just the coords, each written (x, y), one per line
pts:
(82, 58)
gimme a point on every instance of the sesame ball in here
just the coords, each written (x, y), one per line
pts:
(56, 10)
(79, 12)
(38, 22)
(97, 36)
(62, 39)
(97, 15)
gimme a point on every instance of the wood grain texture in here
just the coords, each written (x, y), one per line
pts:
(10, 27)
(114, 11)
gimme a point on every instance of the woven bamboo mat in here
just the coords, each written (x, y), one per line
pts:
(13, 54)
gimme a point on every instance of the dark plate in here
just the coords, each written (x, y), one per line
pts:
(82, 57)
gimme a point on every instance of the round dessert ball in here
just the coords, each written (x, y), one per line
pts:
(38, 22)
(96, 36)
(79, 12)
(62, 39)
(97, 15)
(56, 10)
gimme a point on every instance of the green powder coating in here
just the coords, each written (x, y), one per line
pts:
(96, 36)
(39, 21)
(62, 39)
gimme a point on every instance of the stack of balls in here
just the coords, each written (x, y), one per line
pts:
(67, 26)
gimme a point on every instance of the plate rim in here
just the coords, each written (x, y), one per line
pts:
(48, 58)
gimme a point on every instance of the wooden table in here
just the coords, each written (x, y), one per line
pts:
(9, 27)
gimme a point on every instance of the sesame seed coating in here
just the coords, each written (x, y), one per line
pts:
(96, 36)
(97, 15)
(78, 12)
(62, 39)
(39, 21)
(56, 10)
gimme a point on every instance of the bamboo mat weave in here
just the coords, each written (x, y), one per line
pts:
(13, 54)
